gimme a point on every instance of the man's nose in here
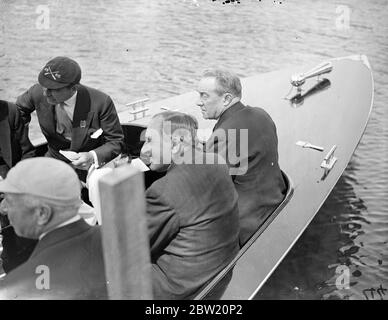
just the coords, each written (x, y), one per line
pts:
(199, 102)
(145, 154)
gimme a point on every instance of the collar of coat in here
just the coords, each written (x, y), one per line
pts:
(228, 113)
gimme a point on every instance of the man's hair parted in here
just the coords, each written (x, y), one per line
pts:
(181, 123)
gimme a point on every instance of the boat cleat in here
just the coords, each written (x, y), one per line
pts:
(328, 162)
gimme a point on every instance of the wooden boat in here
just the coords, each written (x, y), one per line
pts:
(319, 122)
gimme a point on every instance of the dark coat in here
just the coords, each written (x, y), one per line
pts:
(260, 185)
(14, 142)
(14, 146)
(193, 228)
(93, 110)
(73, 257)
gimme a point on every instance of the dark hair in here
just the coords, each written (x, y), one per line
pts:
(71, 85)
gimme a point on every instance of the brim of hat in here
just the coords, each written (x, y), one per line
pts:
(50, 84)
(6, 187)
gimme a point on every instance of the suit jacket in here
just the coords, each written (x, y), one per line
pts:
(260, 186)
(193, 228)
(93, 110)
(73, 257)
(14, 142)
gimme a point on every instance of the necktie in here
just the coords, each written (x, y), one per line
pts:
(64, 124)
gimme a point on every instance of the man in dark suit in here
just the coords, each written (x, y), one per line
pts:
(192, 211)
(14, 142)
(246, 138)
(72, 116)
(42, 198)
(14, 146)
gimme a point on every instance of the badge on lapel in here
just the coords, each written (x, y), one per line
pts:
(82, 123)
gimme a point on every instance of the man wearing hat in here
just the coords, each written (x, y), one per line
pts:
(14, 146)
(73, 116)
(42, 198)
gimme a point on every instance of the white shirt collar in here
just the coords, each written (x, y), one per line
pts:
(69, 105)
(71, 101)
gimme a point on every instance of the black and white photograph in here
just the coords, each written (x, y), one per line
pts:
(193, 150)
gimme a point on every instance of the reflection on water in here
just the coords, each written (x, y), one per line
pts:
(339, 256)
(155, 49)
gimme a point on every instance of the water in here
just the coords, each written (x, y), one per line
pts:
(132, 49)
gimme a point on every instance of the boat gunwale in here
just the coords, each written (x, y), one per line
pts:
(213, 283)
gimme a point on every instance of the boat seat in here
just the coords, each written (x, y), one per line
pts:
(133, 139)
(226, 278)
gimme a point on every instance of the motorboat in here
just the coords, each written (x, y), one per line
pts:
(320, 111)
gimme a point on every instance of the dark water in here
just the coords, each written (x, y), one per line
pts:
(132, 49)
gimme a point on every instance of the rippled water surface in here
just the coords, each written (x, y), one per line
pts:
(132, 49)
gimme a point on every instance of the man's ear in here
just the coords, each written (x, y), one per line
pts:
(176, 142)
(228, 97)
(44, 214)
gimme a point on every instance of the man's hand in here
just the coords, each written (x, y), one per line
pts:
(84, 161)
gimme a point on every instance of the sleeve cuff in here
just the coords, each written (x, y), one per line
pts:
(95, 158)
